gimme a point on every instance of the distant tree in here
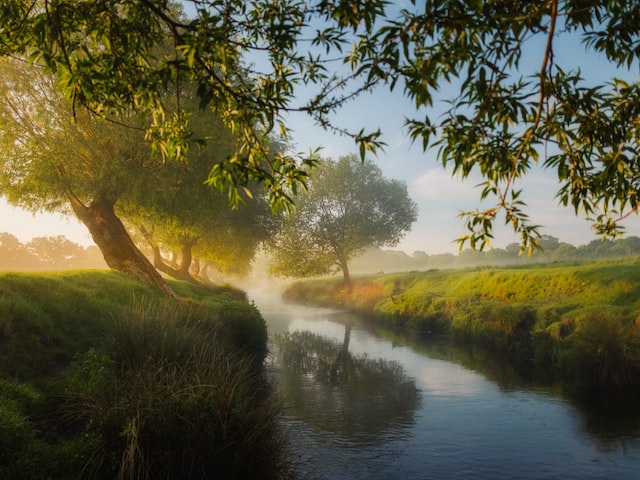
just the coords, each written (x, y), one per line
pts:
(46, 253)
(56, 252)
(548, 243)
(350, 207)
(375, 260)
(564, 252)
(442, 260)
(13, 254)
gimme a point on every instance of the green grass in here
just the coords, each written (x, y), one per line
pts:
(101, 377)
(581, 321)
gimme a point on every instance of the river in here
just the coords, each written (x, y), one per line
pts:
(360, 404)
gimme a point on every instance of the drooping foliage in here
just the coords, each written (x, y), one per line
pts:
(182, 216)
(518, 101)
(106, 172)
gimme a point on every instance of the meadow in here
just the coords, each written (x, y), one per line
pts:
(580, 323)
(102, 377)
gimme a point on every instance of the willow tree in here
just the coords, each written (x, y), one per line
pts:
(183, 217)
(350, 207)
(196, 230)
(50, 163)
(516, 102)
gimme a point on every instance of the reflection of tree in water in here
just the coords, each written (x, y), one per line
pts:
(365, 399)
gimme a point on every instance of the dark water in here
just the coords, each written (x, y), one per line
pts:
(366, 405)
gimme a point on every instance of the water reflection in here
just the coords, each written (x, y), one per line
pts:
(610, 417)
(368, 400)
(363, 404)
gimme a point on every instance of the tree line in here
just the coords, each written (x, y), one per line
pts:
(60, 253)
(553, 250)
(192, 234)
(46, 253)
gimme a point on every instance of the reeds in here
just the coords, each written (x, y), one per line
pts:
(96, 383)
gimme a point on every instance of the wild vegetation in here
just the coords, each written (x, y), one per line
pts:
(506, 81)
(232, 73)
(103, 377)
(580, 322)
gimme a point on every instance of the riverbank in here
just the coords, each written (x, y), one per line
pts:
(102, 377)
(580, 322)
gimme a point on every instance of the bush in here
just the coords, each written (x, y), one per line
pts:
(17, 431)
(168, 399)
(604, 349)
(100, 377)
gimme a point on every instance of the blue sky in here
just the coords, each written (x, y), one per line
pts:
(439, 196)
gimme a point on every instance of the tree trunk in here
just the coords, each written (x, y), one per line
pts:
(163, 266)
(195, 267)
(344, 266)
(173, 260)
(114, 242)
(186, 256)
(204, 273)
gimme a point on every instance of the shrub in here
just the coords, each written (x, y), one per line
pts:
(168, 399)
(17, 431)
(604, 349)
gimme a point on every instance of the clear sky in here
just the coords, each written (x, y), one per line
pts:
(439, 197)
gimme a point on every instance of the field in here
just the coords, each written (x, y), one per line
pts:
(578, 321)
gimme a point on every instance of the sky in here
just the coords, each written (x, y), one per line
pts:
(440, 198)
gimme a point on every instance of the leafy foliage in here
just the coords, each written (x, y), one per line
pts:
(517, 103)
(109, 68)
(101, 376)
(350, 207)
(516, 106)
(182, 212)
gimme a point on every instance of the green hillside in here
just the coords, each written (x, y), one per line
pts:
(581, 321)
(101, 377)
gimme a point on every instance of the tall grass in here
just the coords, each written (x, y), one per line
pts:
(576, 320)
(102, 378)
(167, 399)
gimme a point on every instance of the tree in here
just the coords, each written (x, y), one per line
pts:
(13, 254)
(350, 207)
(517, 103)
(106, 171)
(86, 166)
(509, 112)
(182, 214)
(56, 252)
(110, 68)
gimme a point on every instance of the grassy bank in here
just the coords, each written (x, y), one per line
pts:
(581, 322)
(101, 377)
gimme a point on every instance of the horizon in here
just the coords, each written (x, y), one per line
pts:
(439, 196)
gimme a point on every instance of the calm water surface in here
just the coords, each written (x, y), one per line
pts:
(359, 405)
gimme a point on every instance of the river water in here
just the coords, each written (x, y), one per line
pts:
(362, 404)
